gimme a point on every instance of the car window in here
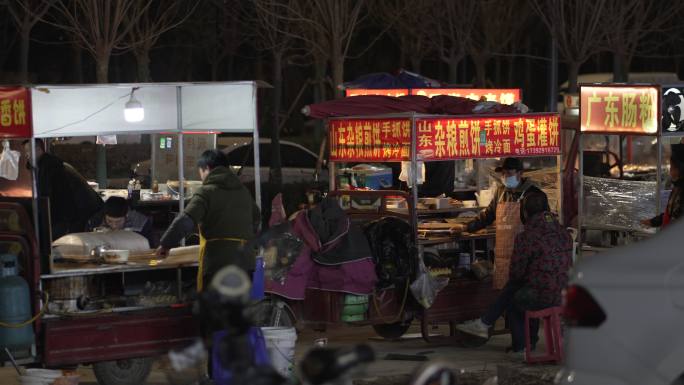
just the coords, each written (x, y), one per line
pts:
(238, 156)
(293, 156)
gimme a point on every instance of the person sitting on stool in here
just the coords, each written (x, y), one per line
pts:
(538, 273)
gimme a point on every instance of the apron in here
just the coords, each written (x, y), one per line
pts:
(202, 251)
(508, 226)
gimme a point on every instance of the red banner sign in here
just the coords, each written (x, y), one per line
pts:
(383, 140)
(488, 137)
(396, 92)
(631, 110)
(15, 112)
(370, 140)
(503, 96)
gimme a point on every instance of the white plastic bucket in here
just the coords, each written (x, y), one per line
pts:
(280, 343)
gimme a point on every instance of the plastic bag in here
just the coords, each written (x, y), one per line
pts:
(405, 175)
(280, 249)
(9, 162)
(482, 269)
(426, 287)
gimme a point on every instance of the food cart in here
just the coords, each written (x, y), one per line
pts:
(116, 316)
(616, 195)
(415, 138)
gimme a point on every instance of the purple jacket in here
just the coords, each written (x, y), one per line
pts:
(354, 277)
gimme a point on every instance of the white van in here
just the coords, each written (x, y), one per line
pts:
(571, 102)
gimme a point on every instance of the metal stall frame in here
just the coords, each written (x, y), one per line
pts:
(620, 133)
(412, 210)
(332, 165)
(55, 350)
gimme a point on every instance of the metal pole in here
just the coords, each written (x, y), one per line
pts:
(36, 196)
(414, 175)
(332, 179)
(553, 77)
(257, 168)
(580, 193)
(181, 174)
(659, 174)
(414, 191)
(559, 168)
(153, 158)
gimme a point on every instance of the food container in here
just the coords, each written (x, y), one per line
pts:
(396, 203)
(116, 256)
(369, 176)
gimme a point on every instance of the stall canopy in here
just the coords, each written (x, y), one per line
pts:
(79, 110)
(384, 80)
(376, 105)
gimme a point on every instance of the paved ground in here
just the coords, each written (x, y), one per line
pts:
(474, 364)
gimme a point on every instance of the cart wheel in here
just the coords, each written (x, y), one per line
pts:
(392, 331)
(133, 371)
(272, 312)
(466, 340)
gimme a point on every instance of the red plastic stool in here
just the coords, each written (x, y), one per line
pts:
(553, 337)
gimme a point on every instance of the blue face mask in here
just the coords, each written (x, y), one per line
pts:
(511, 181)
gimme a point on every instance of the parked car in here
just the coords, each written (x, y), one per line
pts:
(298, 163)
(625, 309)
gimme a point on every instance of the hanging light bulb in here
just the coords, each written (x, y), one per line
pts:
(134, 111)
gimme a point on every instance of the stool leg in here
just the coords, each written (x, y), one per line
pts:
(548, 335)
(528, 347)
(559, 337)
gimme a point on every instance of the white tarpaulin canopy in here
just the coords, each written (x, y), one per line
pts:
(89, 110)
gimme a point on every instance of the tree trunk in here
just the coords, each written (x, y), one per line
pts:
(215, 69)
(416, 62)
(573, 72)
(24, 46)
(102, 70)
(497, 72)
(142, 58)
(453, 69)
(230, 67)
(276, 177)
(319, 93)
(620, 68)
(511, 72)
(480, 62)
(77, 58)
(338, 76)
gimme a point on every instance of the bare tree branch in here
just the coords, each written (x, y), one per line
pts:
(100, 26)
(578, 28)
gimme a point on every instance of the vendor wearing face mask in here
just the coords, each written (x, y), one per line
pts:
(116, 215)
(673, 210)
(505, 210)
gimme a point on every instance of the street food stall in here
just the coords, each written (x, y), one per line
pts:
(361, 145)
(619, 187)
(102, 297)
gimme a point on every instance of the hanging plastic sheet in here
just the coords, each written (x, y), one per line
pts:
(618, 203)
(9, 162)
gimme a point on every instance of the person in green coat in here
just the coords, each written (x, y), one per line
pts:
(225, 214)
